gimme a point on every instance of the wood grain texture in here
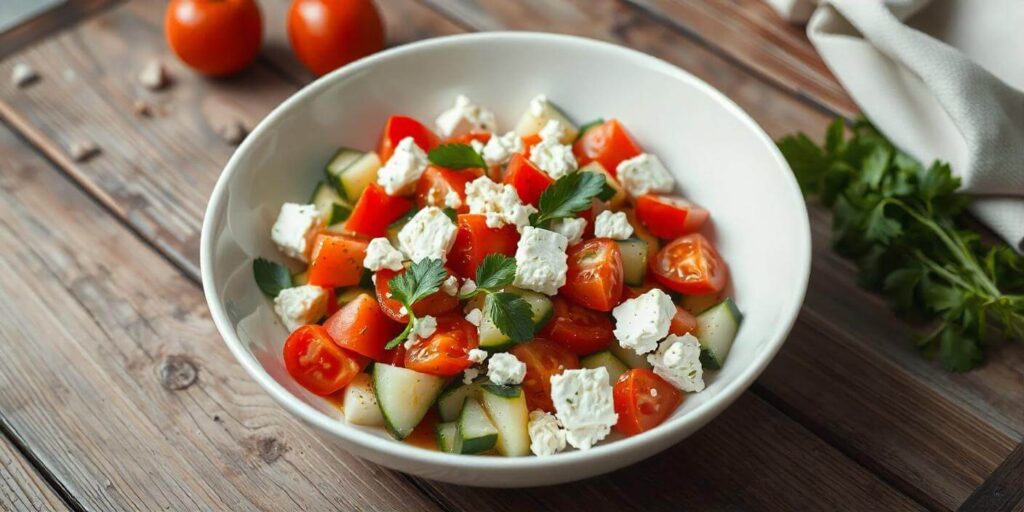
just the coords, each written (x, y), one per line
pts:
(21, 486)
(85, 394)
(1003, 490)
(49, 22)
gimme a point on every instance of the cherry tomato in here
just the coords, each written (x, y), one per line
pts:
(337, 260)
(581, 330)
(643, 400)
(474, 241)
(690, 265)
(608, 143)
(327, 34)
(437, 182)
(214, 37)
(668, 216)
(375, 211)
(529, 181)
(400, 127)
(529, 142)
(434, 304)
(594, 278)
(446, 352)
(395, 356)
(360, 326)
(316, 362)
(542, 359)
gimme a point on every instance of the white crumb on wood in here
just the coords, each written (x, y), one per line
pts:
(81, 151)
(232, 131)
(23, 75)
(154, 75)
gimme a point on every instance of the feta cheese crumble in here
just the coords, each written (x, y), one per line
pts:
(301, 305)
(538, 104)
(614, 225)
(380, 254)
(546, 435)
(504, 369)
(475, 317)
(400, 173)
(550, 155)
(469, 375)
(469, 286)
(644, 174)
(678, 361)
(476, 355)
(498, 202)
(572, 229)
(451, 286)
(642, 321)
(295, 229)
(465, 117)
(584, 405)
(423, 327)
(541, 260)
(499, 149)
(428, 234)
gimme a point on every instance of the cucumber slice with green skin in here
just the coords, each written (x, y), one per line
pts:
(492, 339)
(628, 357)
(359, 403)
(404, 397)
(716, 330)
(392, 231)
(477, 431)
(608, 361)
(451, 401)
(333, 209)
(634, 260)
(447, 435)
(301, 278)
(345, 295)
(530, 124)
(506, 406)
(351, 170)
(697, 304)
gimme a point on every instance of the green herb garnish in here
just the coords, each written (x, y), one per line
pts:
(586, 126)
(510, 313)
(418, 281)
(456, 157)
(568, 196)
(271, 277)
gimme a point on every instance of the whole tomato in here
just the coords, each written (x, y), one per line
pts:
(214, 37)
(327, 34)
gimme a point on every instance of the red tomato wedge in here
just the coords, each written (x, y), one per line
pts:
(337, 260)
(360, 326)
(400, 127)
(437, 182)
(529, 142)
(316, 362)
(542, 359)
(527, 179)
(375, 211)
(690, 265)
(467, 139)
(446, 352)
(608, 143)
(581, 330)
(643, 400)
(434, 304)
(594, 278)
(475, 240)
(669, 216)
(682, 322)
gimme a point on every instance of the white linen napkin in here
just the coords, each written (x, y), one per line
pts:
(943, 80)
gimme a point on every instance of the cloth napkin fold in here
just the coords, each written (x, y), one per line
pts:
(943, 80)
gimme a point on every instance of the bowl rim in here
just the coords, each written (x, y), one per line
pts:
(665, 435)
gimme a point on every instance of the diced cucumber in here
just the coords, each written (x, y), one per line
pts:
(531, 124)
(492, 339)
(477, 431)
(586, 126)
(634, 260)
(448, 439)
(605, 359)
(345, 295)
(716, 330)
(351, 170)
(697, 304)
(404, 396)
(511, 417)
(617, 200)
(359, 403)
(396, 226)
(301, 278)
(629, 357)
(449, 404)
(331, 206)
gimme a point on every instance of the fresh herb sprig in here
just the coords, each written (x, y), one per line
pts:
(568, 196)
(418, 281)
(509, 312)
(271, 277)
(904, 226)
(456, 157)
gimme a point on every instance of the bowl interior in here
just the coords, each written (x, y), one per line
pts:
(722, 160)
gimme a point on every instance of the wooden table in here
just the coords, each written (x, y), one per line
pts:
(100, 298)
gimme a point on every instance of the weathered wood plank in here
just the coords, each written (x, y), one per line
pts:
(47, 23)
(1003, 490)
(93, 318)
(21, 486)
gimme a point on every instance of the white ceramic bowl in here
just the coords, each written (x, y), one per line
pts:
(721, 158)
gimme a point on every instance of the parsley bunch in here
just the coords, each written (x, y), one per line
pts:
(420, 280)
(903, 225)
(509, 312)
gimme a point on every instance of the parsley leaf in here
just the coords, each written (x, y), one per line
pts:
(418, 281)
(512, 315)
(568, 196)
(495, 271)
(456, 157)
(271, 277)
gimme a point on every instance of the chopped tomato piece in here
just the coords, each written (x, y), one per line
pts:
(682, 322)
(594, 278)
(668, 216)
(337, 260)
(581, 330)
(529, 142)
(643, 400)
(375, 211)
(434, 304)
(690, 265)
(400, 127)
(468, 138)
(475, 240)
(317, 363)
(542, 359)
(446, 352)
(437, 182)
(609, 144)
(360, 326)
(528, 180)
